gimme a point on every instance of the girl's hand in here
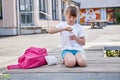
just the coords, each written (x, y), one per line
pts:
(73, 37)
(68, 29)
(80, 40)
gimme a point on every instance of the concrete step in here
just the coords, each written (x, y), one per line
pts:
(63, 76)
(32, 30)
(99, 68)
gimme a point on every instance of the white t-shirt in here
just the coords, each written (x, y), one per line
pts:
(67, 43)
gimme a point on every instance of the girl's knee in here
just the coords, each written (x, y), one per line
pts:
(81, 60)
(70, 62)
(82, 63)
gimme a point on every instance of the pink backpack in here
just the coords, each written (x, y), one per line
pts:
(33, 57)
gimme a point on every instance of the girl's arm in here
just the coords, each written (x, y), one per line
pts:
(80, 40)
(56, 30)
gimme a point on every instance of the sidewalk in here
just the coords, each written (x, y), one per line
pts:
(13, 47)
(109, 36)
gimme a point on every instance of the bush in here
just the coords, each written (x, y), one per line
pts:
(112, 53)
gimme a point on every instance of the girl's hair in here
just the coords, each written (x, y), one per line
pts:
(72, 11)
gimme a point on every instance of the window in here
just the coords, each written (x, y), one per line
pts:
(55, 9)
(43, 9)
(26, 12)
(0, 9)
(26, 18)
(25, 5)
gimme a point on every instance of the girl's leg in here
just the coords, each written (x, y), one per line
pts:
(81, 59)
(69, 60)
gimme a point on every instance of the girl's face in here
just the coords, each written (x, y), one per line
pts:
(70, 19)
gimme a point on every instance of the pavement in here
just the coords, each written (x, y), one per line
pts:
(11, 47)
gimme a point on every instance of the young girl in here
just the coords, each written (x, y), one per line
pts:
(72, 38)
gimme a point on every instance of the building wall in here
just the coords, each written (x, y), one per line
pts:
(1, 23)
(89, 14)
(36, 12)
(99, 3)
(94, 9)
(9, 13)
(103, 5)
(8, 22)
(92, 14)
(51, 22)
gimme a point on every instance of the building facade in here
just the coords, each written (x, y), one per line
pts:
(28, 16)
(100, 9)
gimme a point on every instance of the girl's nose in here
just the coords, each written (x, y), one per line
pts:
(71, 19)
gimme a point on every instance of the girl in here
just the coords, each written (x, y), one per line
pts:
(72, 38)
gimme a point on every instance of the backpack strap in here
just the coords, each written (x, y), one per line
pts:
(17, 66)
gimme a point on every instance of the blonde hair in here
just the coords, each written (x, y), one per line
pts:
(72, 11)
